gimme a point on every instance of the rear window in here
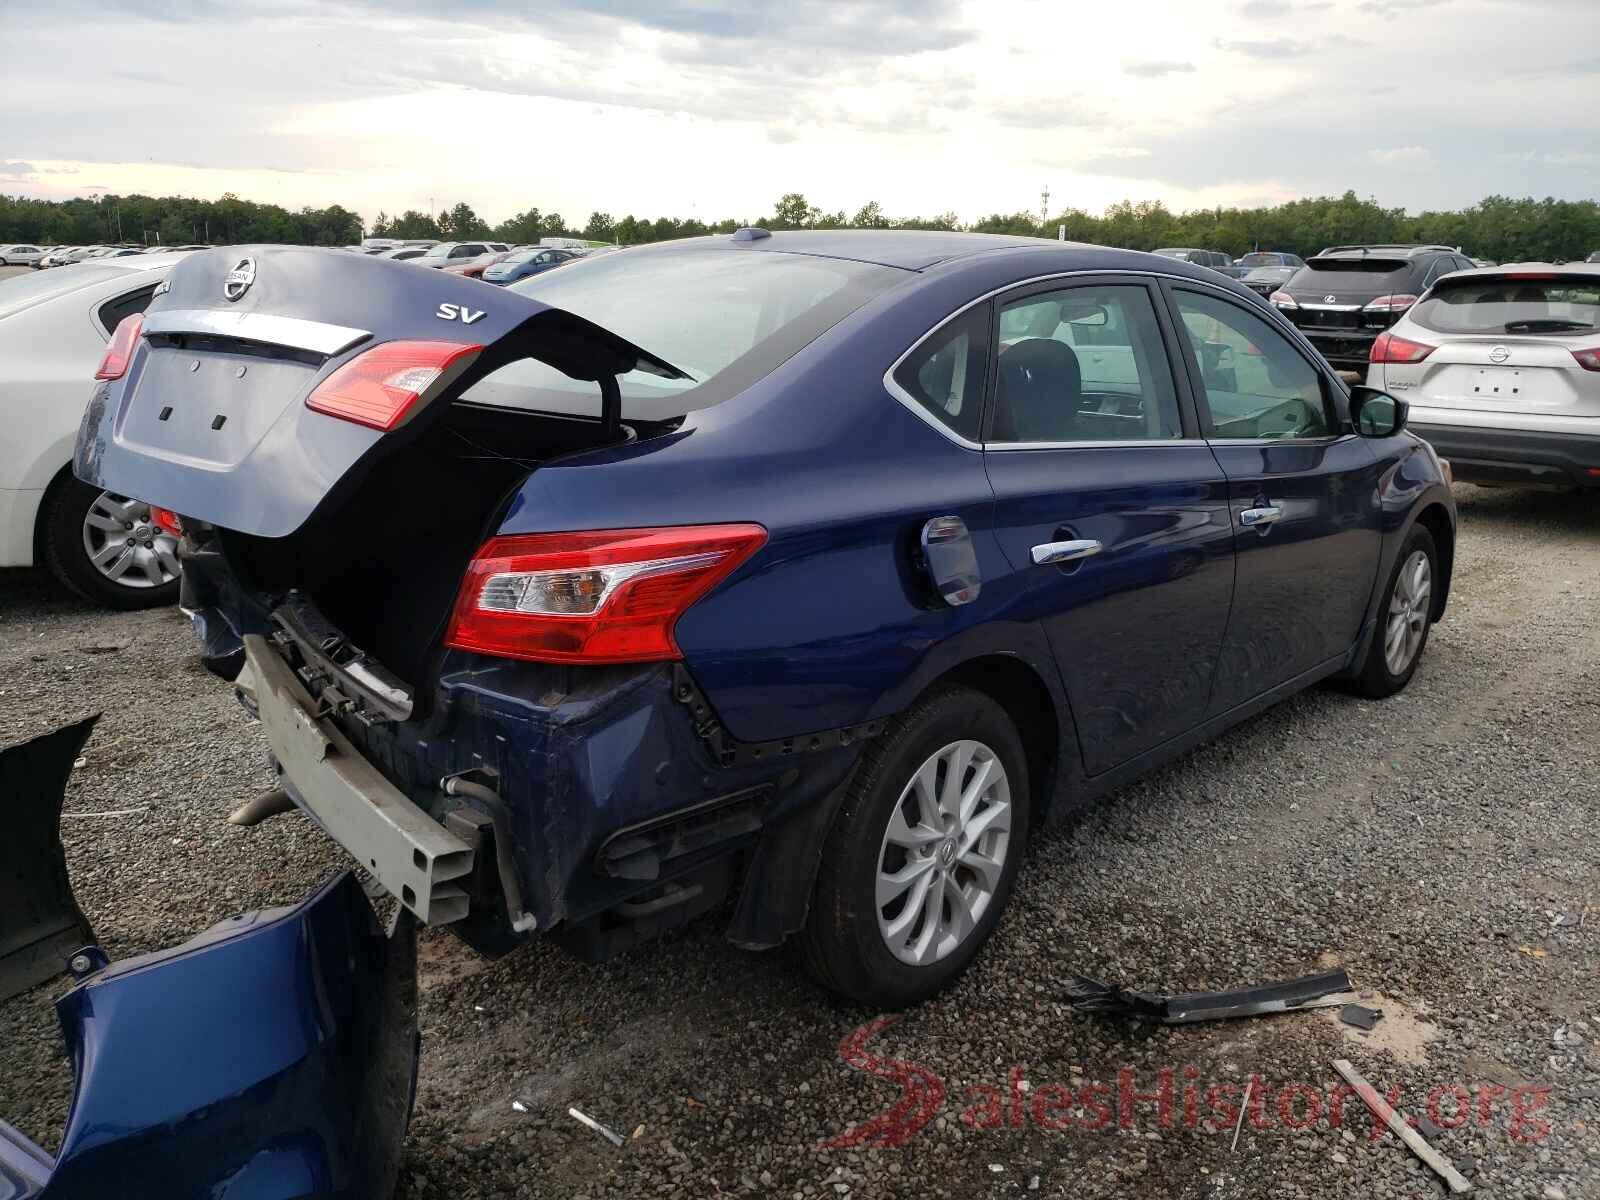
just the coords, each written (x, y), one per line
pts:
(1356, 266)
(1506, 304)
(24, 291)
(726, 317)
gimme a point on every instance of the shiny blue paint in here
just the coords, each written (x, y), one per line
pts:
(271, 1058)
(1303, 583)
(1137, 627)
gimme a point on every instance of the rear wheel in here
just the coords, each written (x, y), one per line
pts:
(106, 548)
(923, 853)
(1403, 621)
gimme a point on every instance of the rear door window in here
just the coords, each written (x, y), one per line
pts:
(1083, 364)
(944, 376)
(1257, 385)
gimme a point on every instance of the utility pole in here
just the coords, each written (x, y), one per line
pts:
(1044, 205)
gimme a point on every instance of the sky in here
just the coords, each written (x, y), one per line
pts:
(713, 109)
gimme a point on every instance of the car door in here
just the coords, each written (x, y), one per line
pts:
(1303, 493)
(1110, 508)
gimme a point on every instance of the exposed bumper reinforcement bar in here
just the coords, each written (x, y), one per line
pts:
(409, 853)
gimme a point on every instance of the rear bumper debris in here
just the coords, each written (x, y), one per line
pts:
(1314, 991)
(273, 1056)
(40, 922)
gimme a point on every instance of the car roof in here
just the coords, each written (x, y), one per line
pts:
(1384, 250)
(908, 249)
(1536, 268)
(916, 250)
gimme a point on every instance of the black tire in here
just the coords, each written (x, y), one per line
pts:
(841, 944)
(1375, 678)
(68, 559)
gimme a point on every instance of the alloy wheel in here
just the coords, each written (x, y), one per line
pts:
(126, 546)
(943, 852)
(1408, 612)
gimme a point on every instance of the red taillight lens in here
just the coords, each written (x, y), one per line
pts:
(599, 596)
(1391, 304)
(124, 341)
(1588, 359)
(1386, 348)
(379, 387)
(1282, 300)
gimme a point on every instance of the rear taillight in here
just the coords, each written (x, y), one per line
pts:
(379, 387)
(1398, 302)
(599, 596)
(1282, 300)
(1588, 359)
(124, 341)
(1387, 348)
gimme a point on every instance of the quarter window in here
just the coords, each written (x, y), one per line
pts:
(945, 374)
(1257, 384)
(1083, 365)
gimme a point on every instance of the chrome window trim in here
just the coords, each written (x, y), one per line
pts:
(315, 336)
(1329, 307)
(919, 410)
(1119, 444)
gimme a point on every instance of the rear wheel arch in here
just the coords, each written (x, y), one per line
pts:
(1018, 688)
(41, 519)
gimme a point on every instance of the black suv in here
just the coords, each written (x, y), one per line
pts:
(1346, 296)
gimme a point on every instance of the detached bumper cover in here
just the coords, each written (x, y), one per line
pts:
(40, 922)
(1487, 455)
(271, 1058)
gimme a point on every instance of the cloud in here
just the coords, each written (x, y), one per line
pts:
(1155, 68)
(11, 170)
(1259, 10)
(1394, 8)
(1401, 156)
(1275, 48)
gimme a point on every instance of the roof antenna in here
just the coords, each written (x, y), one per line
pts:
(610, 408)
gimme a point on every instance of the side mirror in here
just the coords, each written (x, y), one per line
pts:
(1376, 414)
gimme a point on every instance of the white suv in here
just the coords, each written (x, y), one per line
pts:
(1501, 368)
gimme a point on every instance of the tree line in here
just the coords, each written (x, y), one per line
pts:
(1499, 227)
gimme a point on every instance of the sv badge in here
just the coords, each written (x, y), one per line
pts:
(460, 312)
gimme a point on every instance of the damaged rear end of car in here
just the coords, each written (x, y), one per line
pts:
(499, 727)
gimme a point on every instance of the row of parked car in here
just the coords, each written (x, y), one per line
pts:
(24, 254)
(493, 262)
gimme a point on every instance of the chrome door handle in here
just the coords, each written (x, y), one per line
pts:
(1260, 516)
(1060, 552)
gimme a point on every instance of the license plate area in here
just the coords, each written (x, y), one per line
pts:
(209, 407)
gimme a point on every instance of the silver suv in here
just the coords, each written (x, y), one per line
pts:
(1501, 368)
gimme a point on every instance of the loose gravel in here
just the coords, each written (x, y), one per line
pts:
(1441, 845)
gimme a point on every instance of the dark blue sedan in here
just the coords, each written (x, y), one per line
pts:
(810, 570)
(523, 264)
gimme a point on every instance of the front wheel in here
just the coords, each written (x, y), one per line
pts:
(922, 855)
(1403, 621)
(107, 549)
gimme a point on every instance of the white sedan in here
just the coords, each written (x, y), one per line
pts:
(54, 328)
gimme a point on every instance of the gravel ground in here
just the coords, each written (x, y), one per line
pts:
(1431, 844)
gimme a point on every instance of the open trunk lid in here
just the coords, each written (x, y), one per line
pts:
(211, 420)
